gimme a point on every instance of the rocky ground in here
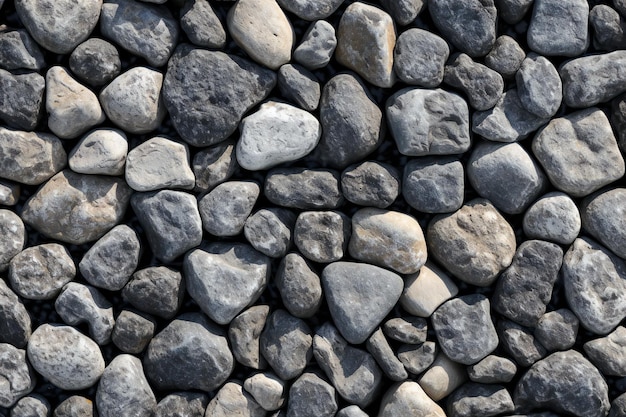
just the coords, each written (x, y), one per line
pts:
(312, 208)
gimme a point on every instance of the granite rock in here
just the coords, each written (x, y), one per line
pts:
(603, 218)
(311, 396)
(304, 188)
(21, 98)
(322, 236)
(18, 378)
(300, 86)
(434, 184)
(156, 290)
(482, 85)
(506, 56)
(607, 353)
(201, 25)
(559, 27)
(371, 183)
(557, 330)
(553, 217)
(244, 334)
(270, 231)
(132, 332)
(520, 343)
(492, 370)
(419, 58)
(95, 62)
(539, 86)
(299, 286)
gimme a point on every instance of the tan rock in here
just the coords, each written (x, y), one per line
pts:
(426, 290)
(443, 377)
(408, 399)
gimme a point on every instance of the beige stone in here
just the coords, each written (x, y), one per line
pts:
(443, 377)
(426, 290)
(408, 399)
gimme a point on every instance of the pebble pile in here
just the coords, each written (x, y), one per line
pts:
(312, 208)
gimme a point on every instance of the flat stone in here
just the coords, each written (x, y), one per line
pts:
(557, 330)
(18, 50)
(353, 372)
(43, 21)
(286, 344)
(244, 334)
(512, 11)
(417, 358)
(426, 290)
(378, 346)
(72, 108)
(520, 343)
(468, 25)
(100, 152)
(351, 120)
(110, 262)
(442, 378)
(608, 27)
(187, 404)
(230, 400)
(170, 220)
(474, 243)
(482, 85)
(317, 46)
(506, 56)
(276, 133)
(131, 24)
(207, 110)
(201, 25)
(428, 122)
(225, 278)
(524, 289)
(465, 329)
(508, 121)
(579, 152)
(270, 231)
(564, 382)
(78, 303)
(267, 390)
(311, 396)
(300, 86)
(371, 183)
(366, 38)
(75, 406)
(21, 98)
(607, 353)
(33, 405)
(156, 290)
(585, 83)
(133, 100)
(420, 57)
(539, 86)
(13, 237)
(299, 286)
(408, 397)
(310, 9)
(132, 332)
(123, 389)
(322, 236)
(559, 27)
(48, 349)
(602, 218)
(304, 188)
(492, 370)
(94, 205)
(224, 209)
(214, 165)
(480, 399)
(39, 272)
(9, 193)
(407, 329)
(553, 217)
(95, 62)
(262, 30)
(434, 184)
(191, 353)
(15, 323)
(18, 378)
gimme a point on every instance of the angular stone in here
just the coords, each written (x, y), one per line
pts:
(48, 349)
(18, 378)
(492, 370)
(426, 290)
(317, 46)
(434, 184)
(371, 183)
(156, 290)
(618, 407)
(352, 125)
(322, 236)
(564, 382)
(225, 278)
(524, 289)
(311, 396)
(170, 220)
(262, 30)
(378, 346)
(267, 390)
(428, 122)
(603, 218)
(408, 397)
(59, 26)
(474, 243)
(442, 378)
(539, 86)
(12, 237)
(506, 56)
(201, 25)
(72, 108)
(9, 193)
(19, 51)
(33, 405)
(304, 188)
(468, 25)
(100, 152)
(15, 325)
(420, 57)
(123, 389)
(512, 11)
(21, 98)
(417, 358)
(299, 286)
(607, 353)
(520, 343)
(183, 404)
(482, 85)
(310, 9)
(212, 166)
(608, 27)
(231, 400)
(95, 62)
(408, 329)
(351, 411)
(269, 231)
(79, 303)
(244, 334)
(75, 406)
(366, 38)
(300, 86)
(132, 332)
(359, 296)
(553, 217)
(557, 330)
(131, 24)
(579, 152)
(191, 353)
(352, 371)
(133, 100)
(559, 27)
(93, 205)
(474, 399)
(207, 110)
(276, 133)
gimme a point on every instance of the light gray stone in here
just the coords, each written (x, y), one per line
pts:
(13, 237)
(351, 411)
(230, 400)
(224, 209)
(299, 286)
(371, 183)
(15, 324)
(317, 46)
(426, 290)
(403, 12)
(311, 9)
(480, 399)
(95, 62)
(304, 188)
(201, 24)
(100, 152)
(244, 334)
(420, 57)
(267, 390)
(9, 193)
(300, 86)
(520, 343)
(322, 236)
(608, 354)
(183, 404)
(18, 378)
(378, 346)
(559, 27)
(270, 231)
(434, 184)
(539, 86)
(482, 85)
(156, 290)
(406, 329)
(21, 98)
(603, 218)
(311, 396)
(557, 330)
(33, 405)
(492, 370)
(18, 50)
(417, 358)
(75, 406)
(408, 397)
(506, 56)
(553, 217)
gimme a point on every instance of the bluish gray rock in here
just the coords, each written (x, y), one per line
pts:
(482, 85)
(311, 396)
(15, 324)
(603, 218)
(156, 290)
(270, 231)
(434, 184)
(18, 50)
(225, 209)
(539, 86)
(420, 57)
(553, 217)
(559, 27)
(506, 56)
(299, 286)
(322, 236)
(557, 330)
(21, 99)
(17, 375)
(201, 25)
(317, 46)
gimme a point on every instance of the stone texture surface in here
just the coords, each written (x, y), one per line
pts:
(322, 236)
(442, 378)
(95, 62)
(156, 290)
(21, 98)
(270, 231)
(557, 330)
(310, 10)
(100, 152)
(201, 25)
(559, 27)
(492, 369)
(317, 45)
(13, 239)
(419, 57)
(539, 86)
(299, 286)
(299, 85)
(230, 400)
(482, 85)
(15, 322)
(244, 334)
(607, 353)
(371, 184)
(480, 399)
(18, 378)
(311, 396)
(553, 217)
(408, 397)
(18, 50)
(224, 209)
(303, 188)
(506, 56)
(602, 218)
(267, 390)
(426, 290)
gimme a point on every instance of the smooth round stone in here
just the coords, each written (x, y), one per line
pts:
(100, 152)
(310, 9)
(132, 332)
(403, 12)
(317, 46)
(95, 62)
(225, 209)
(553, 217)
(442, 378)
(492, 370)
(276, 133)
(408, 397)
(9, 193)
(12, 237)
(16, 376)
(426, 290)
(48, 349)
(420, 57)
(267, 390)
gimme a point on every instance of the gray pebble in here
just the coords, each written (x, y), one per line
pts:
(512, 11)
(167, 362)
(434, 184)
(286, 344)
(420, 57)
(482, 85)
(95, 62)
(539, 86)
(520, 343)
(170, 220)
(351, 411)
(231, 400)
(21, 98)
(132, 332)
(492, 370)
(13, 237)
(304, 188)
(201, 25)
(408, 395)
(18, 378)
(608, 27)
(371, 183)
(270, 231)
(33, 405)
(603, 218)
(75, 406)
(322, 236)
(15, 324)
(100, 152)
(311, 396)
(244, 334)
(559, 27)
(317, 46)
(156, 290)
(378, 346)
(553, 217)
(19, 51)
(214, 165)
(426, 290)
(299, 286)
(300, 86)
(310, 9)
(9, 193)
(182, 404)
(408, 329)
(506, 56)
(417, 358)
(608, 353)
(473, 399)
(267, 390)
(131, 25)
(224, 209)
(404, 11)
(557, 330)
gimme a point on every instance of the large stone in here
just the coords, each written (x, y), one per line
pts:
(403, 12)
(33, 405)
(21, 96)
(564, 382)
(311, 396)
(608, 353)
(310, 9)
(408, 398)
(474, 243)
(419, 57)
(92, 205)
(428, 122)
(201, 24)
(18, 378)
(100, 152)
(95, 62)
(579, 152)
(59, 26)
(539, 86)
(559, 27)
(553, 217)
(156, 290)
(603, 217)
(434, 184)
(304, 188)
(366, 38)
(426, 290)
(483, 86)
(15, 324)
(512, 11)
(18, 50)
(207, 110)
(13, 237)
(608, 26)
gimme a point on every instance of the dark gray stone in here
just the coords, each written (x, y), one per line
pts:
(18, 378)
(156, 290)
(512, 11)
(21, 98)
(75, 406)
(559, 27)
(609, 28)
(553, 217)
(608, 353)
(434, 184)
(201, 25)
(300, 86)
(482, 85)
(539, 86)
(132, 332)
(408, 329)
(322, 236)
(15, 326)
(420, 57)
(182, 404)
(371, 183)
(244, 334)
(190, 353)
(207, 110)
(224, 209)
(311, 396)
(270, 231)
(492, 370)
(267, 390)
(403, 12)
(557, 330)
(506, 57)
(95, 62)
(524, 289)
(299, 286)
(317, 46)
(304, 188)
(231, 400)
(519, 342)
(214, 165)
(417, 358)
(378, 346)
(170, 220)
(19, 51)
(359, 296)
(33, 405)
(603, 217)
(310, 9)
(564, 382)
